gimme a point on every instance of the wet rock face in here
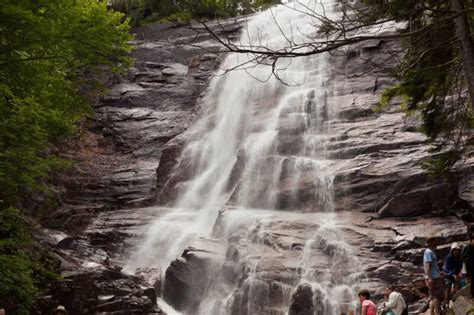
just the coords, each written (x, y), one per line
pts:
(375, 158)
(118, 157)
(152, 276)
(188, 276)
(407, 200)
(378, 157)
(466, 192)
(93, 283)
(301, 264)
(302, 301)
(104, 290)
(169, 159)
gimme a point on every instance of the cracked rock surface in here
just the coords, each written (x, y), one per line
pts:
(116, 159)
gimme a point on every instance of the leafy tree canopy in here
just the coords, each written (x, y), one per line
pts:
(50, 54)
(25, 267)
(185, 10)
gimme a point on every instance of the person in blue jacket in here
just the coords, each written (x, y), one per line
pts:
(452, 269)
(433, 277)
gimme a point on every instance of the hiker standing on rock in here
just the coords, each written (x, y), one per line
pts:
(468, 256)
(452, 269)
(395, 304)
(433, 278)
(368, 307)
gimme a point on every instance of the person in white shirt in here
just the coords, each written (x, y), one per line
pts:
(395, 304)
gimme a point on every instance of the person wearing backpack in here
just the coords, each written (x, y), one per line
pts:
(395, 304)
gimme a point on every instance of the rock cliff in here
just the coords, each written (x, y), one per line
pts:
(386, 204)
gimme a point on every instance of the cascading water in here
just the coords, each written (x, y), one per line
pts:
(260, 145)
(332, 289)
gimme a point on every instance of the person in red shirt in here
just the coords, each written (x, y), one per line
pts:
(368, 307)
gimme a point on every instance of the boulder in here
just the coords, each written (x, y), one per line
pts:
(166, 178)
(465, 292)
(186, 277)
(104, 290)
(419, 200)
(127, 304)
(152, 276)
(463, 306)
(302, 301)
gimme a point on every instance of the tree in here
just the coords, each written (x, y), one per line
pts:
(435, 76)
(185, 10)
(26, 267)
(51, 53)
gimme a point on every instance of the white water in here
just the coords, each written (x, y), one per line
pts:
(333, 290)
(235, 157)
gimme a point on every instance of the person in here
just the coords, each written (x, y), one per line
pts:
(452, 270)
(395, 304)
(60, 310)
(468, 256)
(433, 278)
(368, 307)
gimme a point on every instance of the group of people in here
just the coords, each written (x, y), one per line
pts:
(442, 282)
(394, 303)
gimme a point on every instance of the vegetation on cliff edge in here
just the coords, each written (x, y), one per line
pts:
(184, 10)
(50, 55)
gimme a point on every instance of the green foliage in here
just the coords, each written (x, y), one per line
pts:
(51, 53)
(185, 10)
(441, 163)
(23, 266)
(264, 4)
(136, 10)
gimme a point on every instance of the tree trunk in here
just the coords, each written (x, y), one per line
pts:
(466, 45)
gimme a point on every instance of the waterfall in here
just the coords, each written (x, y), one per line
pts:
(259, 149)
